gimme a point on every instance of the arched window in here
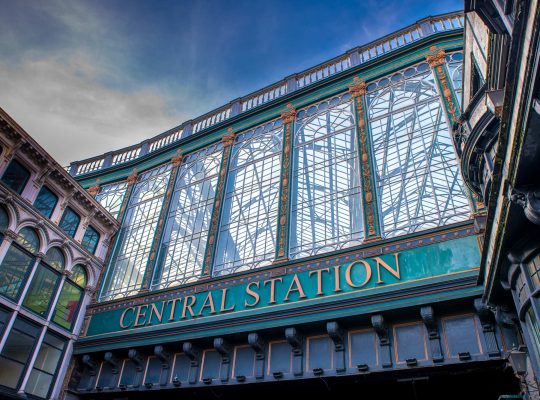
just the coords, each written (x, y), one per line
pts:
(248, 227)
(15, 176)
(417, 176)
(326, 208)
(44, 283)
(18, 262)
(4, 222)
(69, 301)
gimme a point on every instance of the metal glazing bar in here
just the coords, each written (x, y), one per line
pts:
(228, 142)
(175, 161)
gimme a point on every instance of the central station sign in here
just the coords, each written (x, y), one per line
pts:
(329, 281)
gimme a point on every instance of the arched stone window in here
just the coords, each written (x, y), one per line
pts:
(18, 262)
(45, 282)
(69, 301)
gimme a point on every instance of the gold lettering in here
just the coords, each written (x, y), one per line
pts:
(319, 279)
(154, 310)
(123, 325)
(187, 306)
(337, 279)
(273, 288)
(253, 294)
(394, 272)
(298, 288)
(140, 314)
(224, 302)
(173, 308)
(208, 302)
(348, 278)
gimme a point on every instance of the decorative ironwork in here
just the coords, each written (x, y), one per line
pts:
(418, 181)
(128, 264)
(181, 256)
(111, 197)
(248, 227)
(288, 116)
(358, 91)
(436, 59)
(326, 209)
(216, 212)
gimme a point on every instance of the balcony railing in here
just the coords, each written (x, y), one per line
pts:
(357, 56)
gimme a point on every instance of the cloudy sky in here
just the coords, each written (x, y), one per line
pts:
(86, 77)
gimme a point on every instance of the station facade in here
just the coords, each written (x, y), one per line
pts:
(324, 234)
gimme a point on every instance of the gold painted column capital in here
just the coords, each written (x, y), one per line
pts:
(358, 87)
(435, 56)
(288, 114)
(177, 159)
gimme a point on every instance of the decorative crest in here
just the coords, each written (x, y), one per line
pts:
(288, 114)
(358, 87)
(229, 139)
(435, 57)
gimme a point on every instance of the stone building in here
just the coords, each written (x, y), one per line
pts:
(54, 237)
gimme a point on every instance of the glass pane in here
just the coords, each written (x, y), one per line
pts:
(55, 258)
(417, 177)
(184, 238)
(128, 265)
(38, 383)
(454, 63)
(65, 312)
(111, 197)
(247, 232)
(90, 239)
(29, 239)
(11, 372)
(13, 271)
(16, 176)
(46, 201)
(4, 220)
(69, 222)
(78, 275)
(41, 290)
(326, 201)
(49, 354)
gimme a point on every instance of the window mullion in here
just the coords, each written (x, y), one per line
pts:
(209, 254)
(371, 220)
(282, 241)
(30, 364)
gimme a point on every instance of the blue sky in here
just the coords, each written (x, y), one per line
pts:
(86, 77)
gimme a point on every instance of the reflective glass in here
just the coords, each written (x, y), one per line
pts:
(69, 222)
(55, 258)
(326, 200)
(128, 265)
(41, 290)
(417, 177)
(247, 232)
(46, 201)
(454, 63)
(29, 239)
(16, 352)
(45, 366)
(111, 197)
(78, 275)
(186, 231)
(90, 239)
(65, 312)
(13, 270)
(16, 176)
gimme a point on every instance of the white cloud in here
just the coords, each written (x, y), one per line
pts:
(64, 104)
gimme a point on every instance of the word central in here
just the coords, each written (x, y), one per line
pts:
(321, 282)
